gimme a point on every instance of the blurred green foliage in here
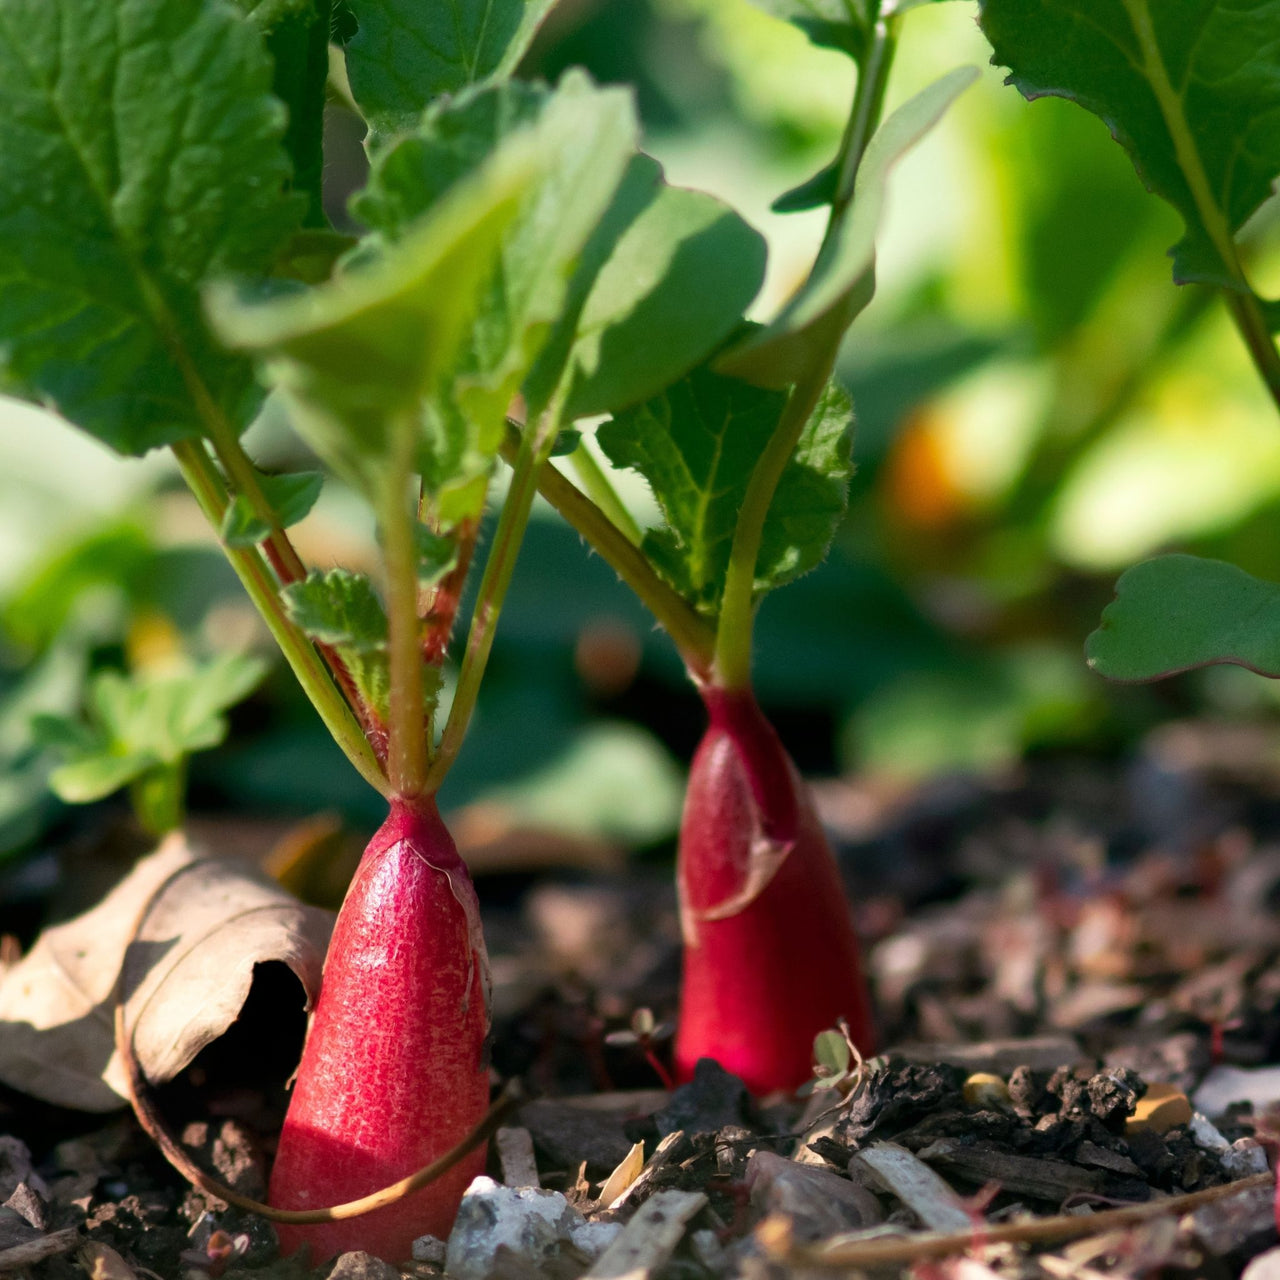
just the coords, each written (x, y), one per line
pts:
(1037, 406)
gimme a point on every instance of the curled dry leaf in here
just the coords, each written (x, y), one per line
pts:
(182, 934)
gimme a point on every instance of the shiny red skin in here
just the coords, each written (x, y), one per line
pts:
(394, 1071)
(762, 981)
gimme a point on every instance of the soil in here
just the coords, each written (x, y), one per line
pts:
(1049, 950)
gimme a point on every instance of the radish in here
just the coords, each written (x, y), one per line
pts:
(748, 458)
(395, 1067)
(770, 955)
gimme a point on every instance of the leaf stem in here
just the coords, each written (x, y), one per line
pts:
(407, 745)
(1242, 302)
(689, 630)
(864, 116)
(285, 560)
(535, 449)
(731, 668)
(210, 492)
(1253, 329)
(599, 488)
(732, 665)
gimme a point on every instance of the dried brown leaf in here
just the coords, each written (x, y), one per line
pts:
(182, 934)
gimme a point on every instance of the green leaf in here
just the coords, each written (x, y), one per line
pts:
(141, 155)
(664, 282)
(290, 496)
(298, 41)
(268, 14)
(1191, 90)
(810, 194)
(341, 609)
(437, 555)
(842, 282)
(584, 137)
(407, 53)
(96, 777)
(140, 723)
(833, 24)
(812, 495)
(1178, 612)
(356, 354)
(831, 1053)
(696, 444)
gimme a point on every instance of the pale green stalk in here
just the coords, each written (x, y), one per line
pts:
(406, 723)
(210, 492)
(732, 665)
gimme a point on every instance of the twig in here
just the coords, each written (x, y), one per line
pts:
(19, 1257)
(877, 1253)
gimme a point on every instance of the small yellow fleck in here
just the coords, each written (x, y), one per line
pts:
(982, 1089)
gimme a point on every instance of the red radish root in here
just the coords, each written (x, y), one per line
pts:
(770, 954)
(394, 1072)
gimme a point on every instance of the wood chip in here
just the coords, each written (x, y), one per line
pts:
(650, 1238)
(918, 1187)
(515, 1155)
(22, 1256)
(1100, 1158)
(623, 1178)
(663, 1154)
(1041, 1178)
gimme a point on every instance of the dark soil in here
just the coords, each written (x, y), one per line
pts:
(1076, 933)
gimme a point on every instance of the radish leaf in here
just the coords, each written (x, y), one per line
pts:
(833, 24)
(407, 53)
(354, 353)
(812, 494)
(436, 555)
(843, 278)
(697, 445)
(268, 14)
(1178, 612)
(1191, 91)
(141, 155)
(584, 137)
(341, 609)
(663, 279)
(290, 497)
(665, 282)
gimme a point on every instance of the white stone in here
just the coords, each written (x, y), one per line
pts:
(1225, 1085)
(591, 1239)
(534, 1226)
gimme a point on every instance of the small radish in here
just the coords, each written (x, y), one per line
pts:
(395, 1068)
(770, 954)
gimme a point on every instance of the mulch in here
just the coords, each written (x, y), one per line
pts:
(1048, 949)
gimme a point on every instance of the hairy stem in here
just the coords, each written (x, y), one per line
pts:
(732, 665)
(406, 726)
(438, 605)
(210, 492)
(688, 629)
